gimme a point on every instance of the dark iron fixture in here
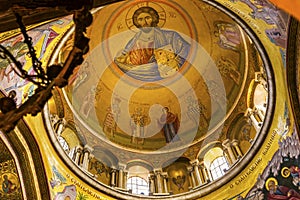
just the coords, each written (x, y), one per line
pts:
(45, 79)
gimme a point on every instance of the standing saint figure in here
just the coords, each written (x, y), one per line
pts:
(137, 124)
(7, 185)
(112, 117)
(152, 53)
(170, 123)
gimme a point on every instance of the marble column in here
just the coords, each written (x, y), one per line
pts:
(235, 144)
(151, 183)
(87, 150)
(158, 177)
(125, 179)
(261, 114)
(192, 181)
(204, 173)
(165, 177)
(78, 154)
(227, 144)
(60, 126)
(256, 124)
(121, 169)
(195, 164)
(113, 176)
(208, 173)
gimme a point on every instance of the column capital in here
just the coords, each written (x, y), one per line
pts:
(234, 142)
(125, 172)
(259, 77)
(202, 166)
(248, 112)
(190, 168)
(91, 156)
(165, 174)
(121, 166)
(157, 170)
(88, 148)
(226, 143)
(79, 149)
(194, 162)
(150, 176)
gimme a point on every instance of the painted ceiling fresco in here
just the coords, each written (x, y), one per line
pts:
(126, 99)
(149, 87)
(163, 83)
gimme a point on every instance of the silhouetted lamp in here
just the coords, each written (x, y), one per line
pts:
(45, 79)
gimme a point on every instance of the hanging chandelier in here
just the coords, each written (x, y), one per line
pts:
(45, 78)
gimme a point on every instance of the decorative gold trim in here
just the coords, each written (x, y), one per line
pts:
(292, 66)
(31, 169)
(285, 172)
(269, 180)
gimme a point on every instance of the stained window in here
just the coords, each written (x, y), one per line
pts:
(63, 143)
(218, 167)
(138, 185)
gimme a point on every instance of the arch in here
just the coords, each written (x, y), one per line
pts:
(58, 103)
(250, 94)
(175, 159)
(238, 124)
(71, 125)
(141, 163)
(206, 148)
(260, 97)
(211, 155)
(105, 156)
(256, 91)
(183, 159)
(70, 137)
(139, 168)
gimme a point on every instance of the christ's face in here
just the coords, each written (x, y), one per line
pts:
(145, 21)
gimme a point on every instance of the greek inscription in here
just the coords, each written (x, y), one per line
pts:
(85, 189)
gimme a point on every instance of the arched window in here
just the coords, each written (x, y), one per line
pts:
(138, 185)
(218, 167)
(63, 143)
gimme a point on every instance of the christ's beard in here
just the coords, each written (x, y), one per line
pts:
(146, 29)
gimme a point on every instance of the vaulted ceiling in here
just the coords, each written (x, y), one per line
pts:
(117, 107)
